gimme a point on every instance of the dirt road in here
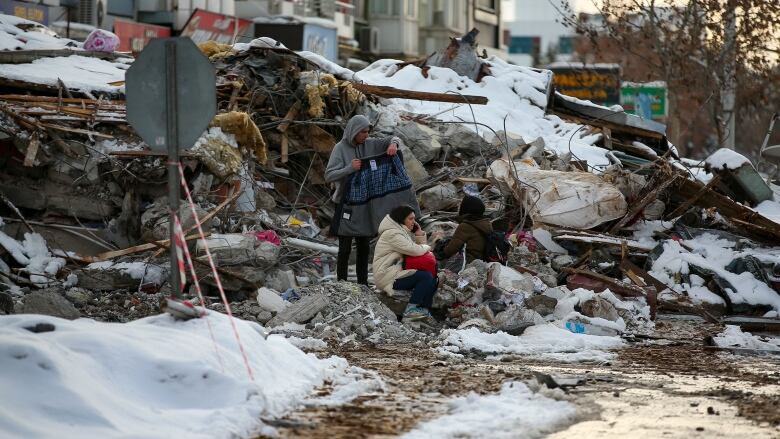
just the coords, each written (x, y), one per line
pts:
(669, 386)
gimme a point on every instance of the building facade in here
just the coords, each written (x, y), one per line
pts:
(537, 34)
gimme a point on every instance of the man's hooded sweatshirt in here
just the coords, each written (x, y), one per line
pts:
(365, 196)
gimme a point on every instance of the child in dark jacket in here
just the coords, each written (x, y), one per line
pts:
(473, 229)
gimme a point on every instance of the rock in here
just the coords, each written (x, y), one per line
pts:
(516, 319)
(414, 169)
(51, 303)
(462, 139)
(542, 304)
(561, 261)
(78, 296)
(238, 249)
(281, 279)
(422, 140)
(264, 317)
(105, 279)
(440, 197)
(265, 200)
(654, 210)
(269, 300)
(600, 308)
(301, 311)
(154, 221)
(6, 303)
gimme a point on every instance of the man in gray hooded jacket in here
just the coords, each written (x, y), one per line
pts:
(344, 161)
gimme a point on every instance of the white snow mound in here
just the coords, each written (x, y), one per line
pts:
(151, 378)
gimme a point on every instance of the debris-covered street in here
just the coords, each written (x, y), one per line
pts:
(448, 246)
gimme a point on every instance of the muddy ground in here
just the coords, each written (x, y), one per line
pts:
(668, 385)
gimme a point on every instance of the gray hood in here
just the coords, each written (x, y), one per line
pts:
(354, 126)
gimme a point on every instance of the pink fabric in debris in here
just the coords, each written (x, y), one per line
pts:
(100, 40)
(270, 236)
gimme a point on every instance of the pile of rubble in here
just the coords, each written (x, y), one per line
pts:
(608, 224)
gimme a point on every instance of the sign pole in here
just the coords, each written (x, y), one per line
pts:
(172, 141)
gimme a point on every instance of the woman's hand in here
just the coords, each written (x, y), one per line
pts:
(418, 230)
(392, 149)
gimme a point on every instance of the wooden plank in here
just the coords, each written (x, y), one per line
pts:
(643, 202)
(391, 92)
(292, 113)
(146, 153)
(52, 99)
(32, 150)
(285, 147)
(477, 180)
(756, 224)
(28, 56)
(682, 208)
(77, 131)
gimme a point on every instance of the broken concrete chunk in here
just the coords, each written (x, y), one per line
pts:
(516, 319)
(51, 303)
(154, 221)
(414, 168)
(270, 300)
(544, 305)
(237, 249)
(600, 308)
(440, 197)
(301, 311)
(79, 296)
(422, 140)
(281, 279)
(461, 139)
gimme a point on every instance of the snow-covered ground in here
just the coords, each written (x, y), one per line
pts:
(733, 337)
(152, 378)
(544, 342)
(515, 412)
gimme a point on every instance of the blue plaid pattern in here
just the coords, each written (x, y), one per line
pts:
(367, 184)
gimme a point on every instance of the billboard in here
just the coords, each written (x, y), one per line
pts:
(320, 40)
(28, 11)
(204, 26)
(647, 100)
(598, 83)
(133, 37)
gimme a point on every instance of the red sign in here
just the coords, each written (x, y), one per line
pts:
(204, 26)
(133, 37)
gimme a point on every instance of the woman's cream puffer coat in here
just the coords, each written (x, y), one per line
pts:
(395, 241)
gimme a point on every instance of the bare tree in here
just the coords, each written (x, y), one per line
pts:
(707, 51)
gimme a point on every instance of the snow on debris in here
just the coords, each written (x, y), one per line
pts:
(733, 337)
(714, 254)
(20, 34)
(77, 72)
(726, 158)
(769, 209)
(152, 378)
(34, 255)
(146, 273)
(514, 412)
(515, 92)
(327, 65)
(545, 342)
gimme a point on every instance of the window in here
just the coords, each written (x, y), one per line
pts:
(411, 8)
(565, 45)
(487, 4)
(361, 11)
(524, 45)
(381, 7)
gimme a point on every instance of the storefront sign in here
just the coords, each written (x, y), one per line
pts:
(204, 26)
(28, 11)
(133, 37)
(598, 84)
(646, 100)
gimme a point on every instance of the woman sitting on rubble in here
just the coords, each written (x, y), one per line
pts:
(399, 237)
(473, 229)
